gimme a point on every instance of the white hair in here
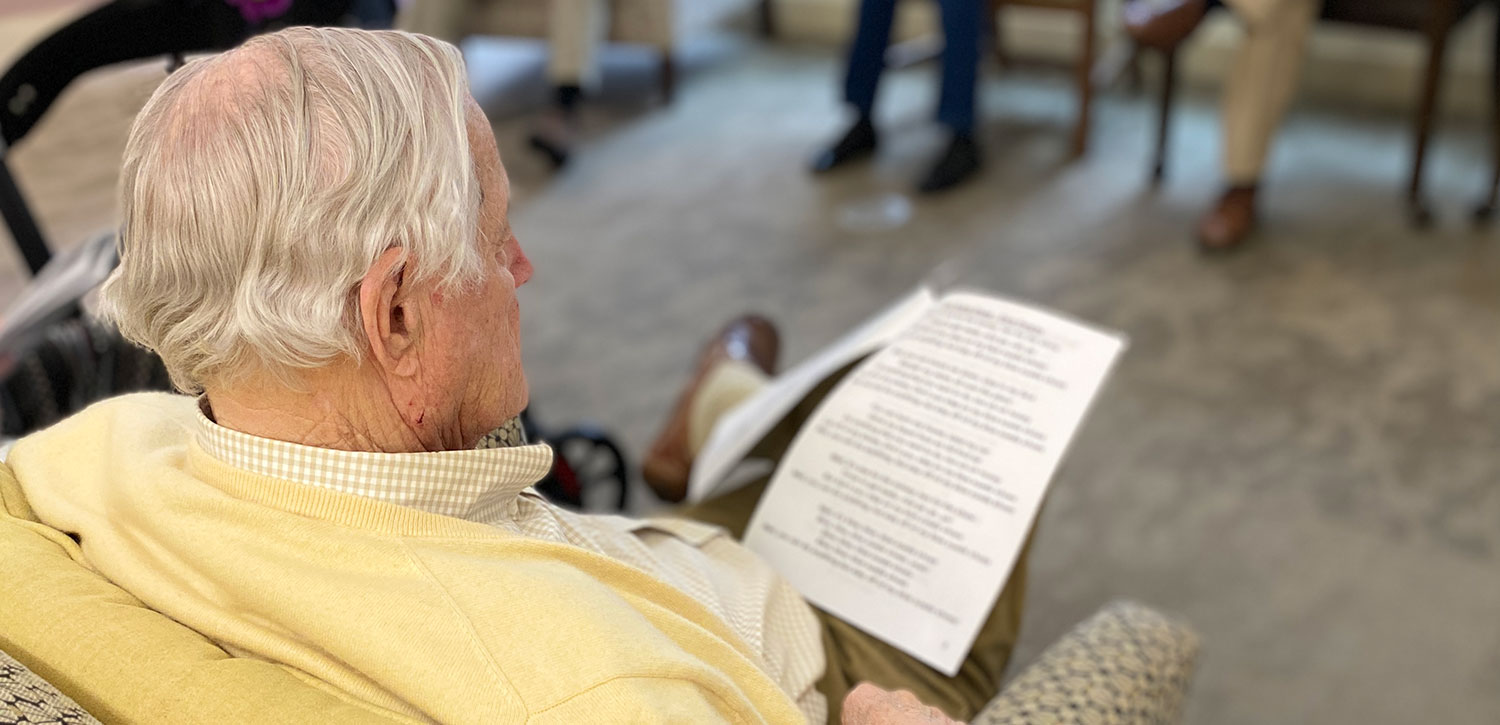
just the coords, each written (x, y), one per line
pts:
(259, 186)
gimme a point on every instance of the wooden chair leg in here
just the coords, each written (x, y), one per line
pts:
(767, 18)
(997, 32)
(1440, 22)
(668, 72)
(1164, 116)
(1133, 72)
(1485, 212)
(1084, 78)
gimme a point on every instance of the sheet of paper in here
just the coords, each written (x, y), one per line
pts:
(903, 503)
(741, 428)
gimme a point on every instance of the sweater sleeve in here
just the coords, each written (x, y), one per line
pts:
(640, 700)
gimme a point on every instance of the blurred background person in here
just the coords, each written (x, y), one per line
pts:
(1260, 87)
(575, 31)
(961, 157)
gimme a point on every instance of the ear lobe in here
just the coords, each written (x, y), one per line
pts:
(388, 319)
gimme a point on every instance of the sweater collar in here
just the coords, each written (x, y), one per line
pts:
(479, 484)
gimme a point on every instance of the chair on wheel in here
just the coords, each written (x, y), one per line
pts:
(54, 361)
(126, 30)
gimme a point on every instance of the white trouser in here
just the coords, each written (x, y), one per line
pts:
(1262, 81)
(575, 30)
(442, 19)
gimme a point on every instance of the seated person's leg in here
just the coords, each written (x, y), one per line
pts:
(575, 30)
(962, 20)
(731, 367)
(855, 656)
(724, 379)
(866, 63)
(732, 510)
(1257, 93)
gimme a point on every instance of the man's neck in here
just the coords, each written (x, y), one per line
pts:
(323, 414)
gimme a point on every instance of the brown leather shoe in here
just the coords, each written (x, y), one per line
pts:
(1231, 220)
(668, 462)
(1163, 25)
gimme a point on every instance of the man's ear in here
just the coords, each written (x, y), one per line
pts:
(387, 312)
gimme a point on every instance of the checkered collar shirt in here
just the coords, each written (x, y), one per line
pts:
(478, 484)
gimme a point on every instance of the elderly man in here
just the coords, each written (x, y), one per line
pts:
(1256, 95)
(315, 238)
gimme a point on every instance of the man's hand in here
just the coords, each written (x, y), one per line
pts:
(870, 705)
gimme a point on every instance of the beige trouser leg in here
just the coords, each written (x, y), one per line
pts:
(728, 384)
(576, 29)
(1262, 81)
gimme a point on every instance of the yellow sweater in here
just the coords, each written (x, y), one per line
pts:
(430, 616)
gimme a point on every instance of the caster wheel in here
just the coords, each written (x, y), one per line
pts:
(590, 472)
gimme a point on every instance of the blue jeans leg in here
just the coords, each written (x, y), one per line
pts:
(867, 53)
(961, 30)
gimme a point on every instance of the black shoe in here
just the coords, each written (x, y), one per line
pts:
(959, 162)
(858, 142)
(555, 152)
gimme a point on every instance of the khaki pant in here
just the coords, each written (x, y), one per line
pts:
(853, 655)
(1262, 81)
(575, 30)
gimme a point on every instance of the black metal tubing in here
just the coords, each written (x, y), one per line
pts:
(18, 217)
(125, 30)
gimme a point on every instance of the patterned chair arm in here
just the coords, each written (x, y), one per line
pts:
(1126, 664)
(26, 699)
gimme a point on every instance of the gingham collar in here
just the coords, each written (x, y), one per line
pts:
(476, 484)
